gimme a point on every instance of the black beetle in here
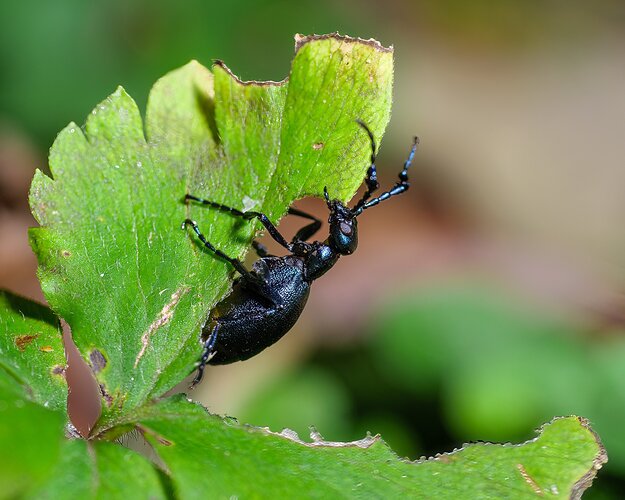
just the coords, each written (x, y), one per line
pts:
(267, 301)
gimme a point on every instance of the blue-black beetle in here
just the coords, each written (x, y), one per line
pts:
(267, 301)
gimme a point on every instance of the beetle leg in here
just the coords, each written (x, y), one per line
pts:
(207, 354)
(264, 220)
(372, 175)
(307, 231)
(261, 249)
(301, 236)
(236, 263)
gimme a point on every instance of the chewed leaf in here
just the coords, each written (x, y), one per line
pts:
(113, 261)
(333, 82)
(204, 452)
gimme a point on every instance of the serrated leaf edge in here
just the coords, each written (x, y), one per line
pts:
(301, 40)
(581, 485)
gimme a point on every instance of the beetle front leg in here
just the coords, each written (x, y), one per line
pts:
(264, 220)
(236, 263)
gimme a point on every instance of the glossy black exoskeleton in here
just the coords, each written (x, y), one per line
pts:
(267, 301)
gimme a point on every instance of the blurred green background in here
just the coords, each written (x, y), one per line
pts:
(479, 305)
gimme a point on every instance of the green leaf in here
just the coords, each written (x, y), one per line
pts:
(114, 263)
(332, 82)
(101, 470)
(33, 393)
(30, 438)
(31, 350)
(207, 454)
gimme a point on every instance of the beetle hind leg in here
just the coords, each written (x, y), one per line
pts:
(207, 354)
(261, 249)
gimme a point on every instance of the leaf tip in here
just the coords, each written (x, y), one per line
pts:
(195, 68)
(119, 92)
(599, 460)
(571, 430)
(38, 185)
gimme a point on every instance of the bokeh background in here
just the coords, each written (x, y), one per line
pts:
(479, 305)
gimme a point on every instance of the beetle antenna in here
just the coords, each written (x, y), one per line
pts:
(398, 188)
(371, 180)
(327, 197)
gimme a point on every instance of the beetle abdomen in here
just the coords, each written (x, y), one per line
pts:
(251, 319)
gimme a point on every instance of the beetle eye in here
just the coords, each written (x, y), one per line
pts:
(346, 229)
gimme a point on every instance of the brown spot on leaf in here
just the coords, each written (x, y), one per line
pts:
(58, 370)
(318, 145)
(163, 441)
(98, 361)
(107, 397)
(22, 341)
(66, 253)
(46, 348)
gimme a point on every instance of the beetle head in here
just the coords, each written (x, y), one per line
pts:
(343, 236)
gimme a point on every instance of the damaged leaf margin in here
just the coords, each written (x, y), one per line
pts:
(235, 459)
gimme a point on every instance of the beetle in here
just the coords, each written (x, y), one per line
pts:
(267, 300)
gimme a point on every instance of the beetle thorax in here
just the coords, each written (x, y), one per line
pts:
(319, 260)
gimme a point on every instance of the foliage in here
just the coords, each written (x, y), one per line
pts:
(135, 289)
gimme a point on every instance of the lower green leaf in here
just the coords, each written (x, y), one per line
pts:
(30, 439)
(101, 470)
(207, 455)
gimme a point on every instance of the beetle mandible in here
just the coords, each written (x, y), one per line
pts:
(267, 301)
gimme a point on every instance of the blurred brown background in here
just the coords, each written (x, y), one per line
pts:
(480, 304)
